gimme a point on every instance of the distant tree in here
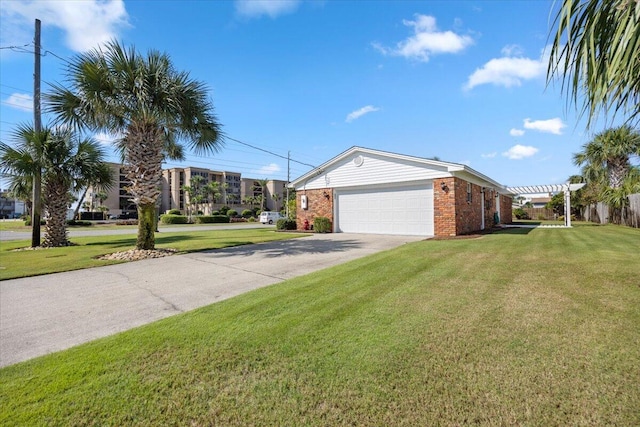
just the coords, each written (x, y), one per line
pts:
(607, 168)
(595, 51)
(62, 158)
(556, 203)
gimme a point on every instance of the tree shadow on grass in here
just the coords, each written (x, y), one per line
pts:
(280, 248)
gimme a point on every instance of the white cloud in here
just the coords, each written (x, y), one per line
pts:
(488, 155)
(20, 101)
(516, 132)
(361, 112)
(86, 23)
(553, 126)
(267, 170)
(106, 138)
(510, 70)
(518, 152)
(271, 8)
(426, 41)
(512, 50)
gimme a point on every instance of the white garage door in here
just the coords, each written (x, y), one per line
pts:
(395, 210)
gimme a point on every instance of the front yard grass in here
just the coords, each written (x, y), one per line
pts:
(521, 327)
(14, 264)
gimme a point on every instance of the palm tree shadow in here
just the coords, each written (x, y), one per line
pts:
(280, 248)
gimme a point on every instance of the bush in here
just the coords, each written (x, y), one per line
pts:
(211, 219)
(322, 225)
(173, 219)
(216, 213)
(519, 213)
(127, 222)
(231, 213)
(251, 219)
(27, 221)
(247, 213)
(173, 212)
(224, 210)
(79, 223)
(286, 224)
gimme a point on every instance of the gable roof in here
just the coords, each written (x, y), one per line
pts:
(454, 169)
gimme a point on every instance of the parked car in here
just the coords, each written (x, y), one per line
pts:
(268, 217)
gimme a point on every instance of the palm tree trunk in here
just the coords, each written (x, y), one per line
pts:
(56, 204)
(143, 165)
(146, 226)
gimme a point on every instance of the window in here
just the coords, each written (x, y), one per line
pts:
(469, 193)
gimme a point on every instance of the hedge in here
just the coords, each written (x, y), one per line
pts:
(173, 219)
(210, 219)
(286, 224)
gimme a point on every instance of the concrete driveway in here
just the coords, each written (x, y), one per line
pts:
(43, 314)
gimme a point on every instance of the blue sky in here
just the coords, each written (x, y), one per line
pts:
(461, 80)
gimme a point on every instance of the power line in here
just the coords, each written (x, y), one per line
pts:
(270, 152)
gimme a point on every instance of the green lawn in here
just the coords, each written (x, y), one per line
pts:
(15, 264)
(521, 327)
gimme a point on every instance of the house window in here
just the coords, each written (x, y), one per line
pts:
(469, 194)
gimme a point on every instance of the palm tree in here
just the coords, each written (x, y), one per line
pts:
(606, 166)
(146, 101)
(100, 178)
(606, 159)
(261, 185)
(595, 51)
(61, 158)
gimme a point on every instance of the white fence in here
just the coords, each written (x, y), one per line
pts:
(600, 212)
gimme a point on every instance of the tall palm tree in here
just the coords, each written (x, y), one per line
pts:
(146, 101)
(606, 159)
(61, 158)
(607, 168)
(596, 51)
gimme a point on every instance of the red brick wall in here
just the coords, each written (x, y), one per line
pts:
(319, 203)
(444, 207)
(506, 213)
(468, 214)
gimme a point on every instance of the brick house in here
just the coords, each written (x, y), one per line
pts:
(371, 191)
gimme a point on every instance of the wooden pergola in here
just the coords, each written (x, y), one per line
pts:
(567, 188)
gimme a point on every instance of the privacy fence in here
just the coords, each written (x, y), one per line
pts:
(601, 213)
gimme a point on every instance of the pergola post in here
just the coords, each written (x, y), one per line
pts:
(567, 207)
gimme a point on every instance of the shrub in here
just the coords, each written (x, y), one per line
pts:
(251, 219)
(224, 210)
(231, 212)
(173, 212)
(519, 213)
(247, 213)
(173, 219)
(216, 213)
(127, 222)
(286, 224)
(210, 219)
(541, 217)
(322, 225)
(237, 219)
(79, 223)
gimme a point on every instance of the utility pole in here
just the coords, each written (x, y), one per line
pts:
(288, 180)
(36, 211)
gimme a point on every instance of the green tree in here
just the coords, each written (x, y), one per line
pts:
(595, 51)
(607, 168)
(62, 159)
(556, 204)
(261, 186)
(606, 159)
(151, 105)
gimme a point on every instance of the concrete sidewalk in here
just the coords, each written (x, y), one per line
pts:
(43, 314)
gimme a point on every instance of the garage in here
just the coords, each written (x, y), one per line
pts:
(369, 191)
(404, 210)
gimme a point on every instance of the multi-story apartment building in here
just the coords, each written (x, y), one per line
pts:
(175, 179)
(274, 192)
(118, 201)
(10, 207)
